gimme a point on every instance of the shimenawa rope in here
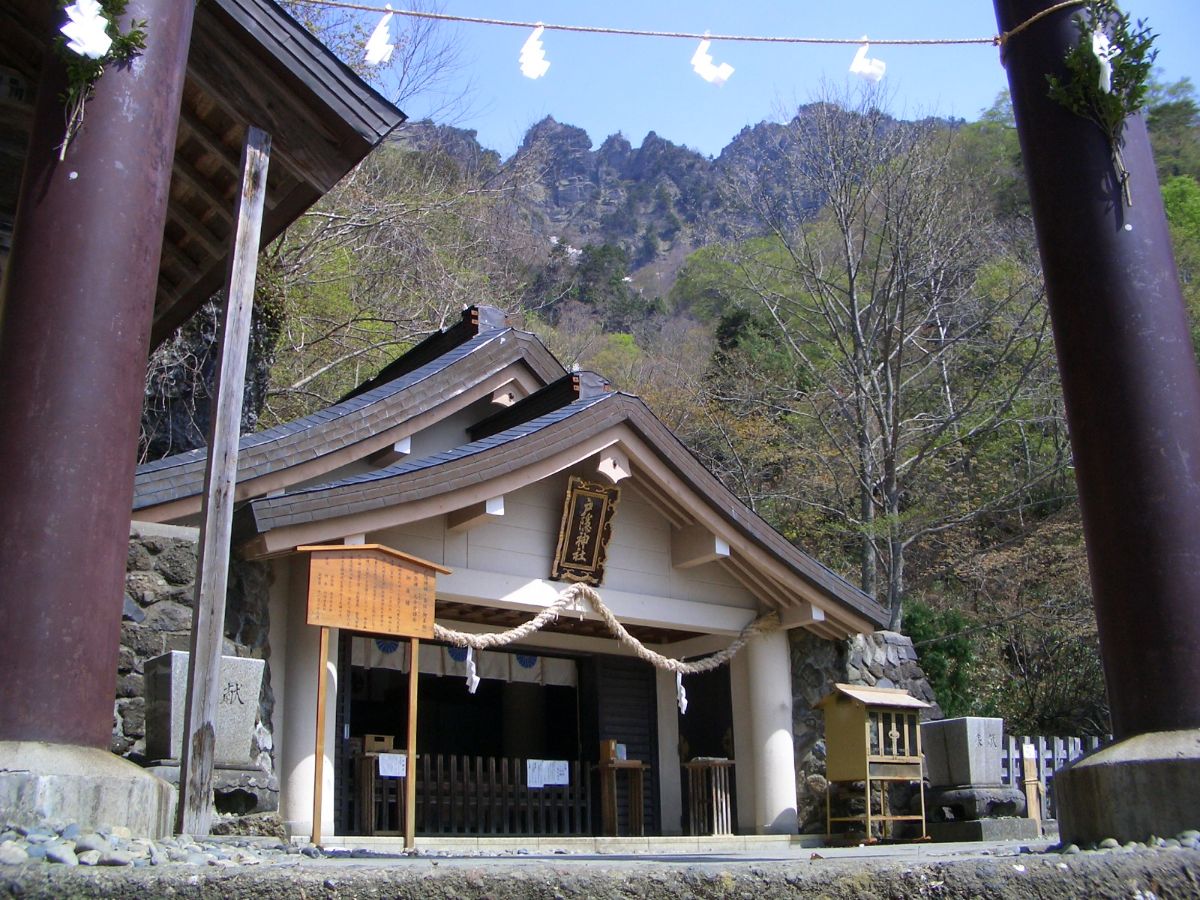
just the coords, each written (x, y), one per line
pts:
(997, 40)
(572, 598)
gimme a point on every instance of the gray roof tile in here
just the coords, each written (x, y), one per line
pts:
(517, 446)
(341, 425)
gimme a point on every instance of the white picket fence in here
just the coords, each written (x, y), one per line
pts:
(1053, 753)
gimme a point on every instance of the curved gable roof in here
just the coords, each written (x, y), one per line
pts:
(364, 421)
(559, 438)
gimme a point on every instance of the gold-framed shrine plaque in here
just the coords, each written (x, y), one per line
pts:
(371, 588)
(586, 528)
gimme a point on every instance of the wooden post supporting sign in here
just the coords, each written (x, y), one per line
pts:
(319, 744)
(1034, 792)
(377, 590)
(410, 783)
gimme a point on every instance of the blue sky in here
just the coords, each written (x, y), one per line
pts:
(634, 84)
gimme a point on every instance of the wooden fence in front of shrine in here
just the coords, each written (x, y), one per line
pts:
(477, 795)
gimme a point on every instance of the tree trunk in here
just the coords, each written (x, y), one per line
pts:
(867, 554)
(896, 584)
(895, 592)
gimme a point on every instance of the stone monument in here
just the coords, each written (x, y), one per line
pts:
(966, 799)
(239, 783)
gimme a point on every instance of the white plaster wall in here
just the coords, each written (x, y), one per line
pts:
(444, 435)
(639, 558)
(297, 738)
(451, 431)
(522, 544)
(426, 539)
(522, 541)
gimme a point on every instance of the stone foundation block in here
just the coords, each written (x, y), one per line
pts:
(42, 783)
(973, 802)
(1008, 829)
(235, 791)
(1143, 786)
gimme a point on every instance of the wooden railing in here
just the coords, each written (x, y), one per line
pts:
(474, 795)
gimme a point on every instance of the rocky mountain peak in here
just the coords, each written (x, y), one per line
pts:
(615, 152)
(549, 132)
(460, 144)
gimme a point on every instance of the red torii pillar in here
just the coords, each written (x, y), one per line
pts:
(1132, 395)
(76, 307)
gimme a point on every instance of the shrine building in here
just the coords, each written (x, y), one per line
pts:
(477, 452)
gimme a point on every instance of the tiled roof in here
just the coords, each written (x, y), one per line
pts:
(566, 413)
(271, 511)
(525, 444)
(353, 419)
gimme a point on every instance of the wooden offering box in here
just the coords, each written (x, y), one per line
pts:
(873, 736)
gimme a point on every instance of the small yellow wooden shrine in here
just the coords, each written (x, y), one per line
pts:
(873, 737)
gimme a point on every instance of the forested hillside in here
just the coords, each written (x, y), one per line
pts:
(842, 315)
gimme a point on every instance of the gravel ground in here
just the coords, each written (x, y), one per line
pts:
(265, 869)
(1135, 875)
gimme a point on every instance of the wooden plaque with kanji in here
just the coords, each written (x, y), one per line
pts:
(371, 588)
(586, 529)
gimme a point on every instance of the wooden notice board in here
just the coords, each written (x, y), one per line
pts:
(371, 588)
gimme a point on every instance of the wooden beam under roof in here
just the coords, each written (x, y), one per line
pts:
(196, 128)
(695, 545)
(490, 510)
(264, 99)
(802, 614)
(200, 106)
(184, 263)
(214, 244)
(661, 501)
(217, 201)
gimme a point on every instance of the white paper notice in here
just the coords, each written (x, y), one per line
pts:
(546, 772)
(393, 765)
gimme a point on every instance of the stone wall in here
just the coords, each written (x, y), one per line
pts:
(159, 585)
(888, 660)
(883, 659)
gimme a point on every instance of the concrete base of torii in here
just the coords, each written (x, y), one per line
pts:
(42, 783)
(1143, 786)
